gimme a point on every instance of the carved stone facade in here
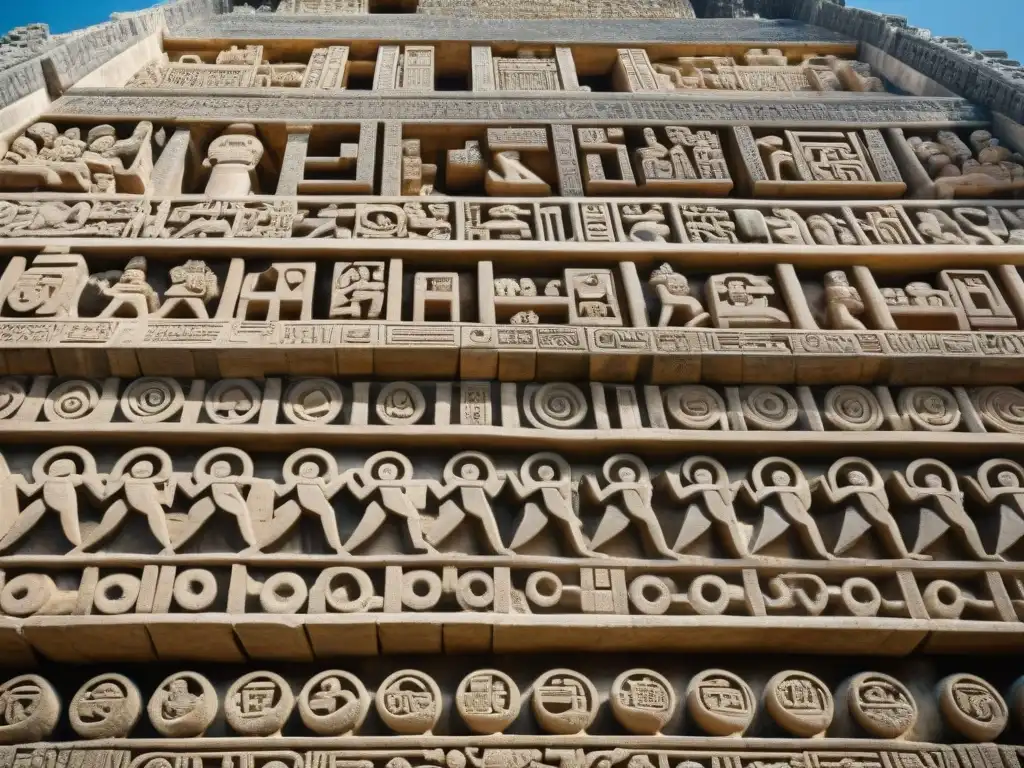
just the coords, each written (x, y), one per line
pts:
(488, 384)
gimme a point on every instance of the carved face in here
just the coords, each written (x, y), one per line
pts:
(933, 480)
(1008, 479)
(703, 476)
(308, 470)
(133, 277)
(61, 468)
(142, 469)
(220, 469)
(781, 477)
(626, 475)
(856, 477)
(469, 471)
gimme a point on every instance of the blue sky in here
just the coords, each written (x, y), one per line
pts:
(985, 23)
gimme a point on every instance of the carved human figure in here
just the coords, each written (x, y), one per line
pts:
(653, 158)
(547, 476)
(678, 307)
(933, 487)
(470, 482)
(142, 481)
(627, 481)
(193, 286)
(856, 486)
(781, 490)
(313, 476)
(126, 295)
(57, 477)
(777, 159)
(387, 478)
(218, 478)
(844, 304)
(1000, 484)
(707, 484)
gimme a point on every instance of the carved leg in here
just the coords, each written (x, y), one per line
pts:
(285, 517)
(69, 521)
(490, 526)
(109, 523)
(965, 525)
(24, 523)
(448, 519)
(200, 512)
(373, 518)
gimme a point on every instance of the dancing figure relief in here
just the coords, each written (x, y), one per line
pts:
(708, 497)
(1000, 485)
(471, 482)
(778, 487)
(625, 496)
(932, 488)
(544, 484)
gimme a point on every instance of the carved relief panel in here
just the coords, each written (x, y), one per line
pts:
(529, 69)
(97, 159)
(947, 164)
(766, 71)
(823, 163)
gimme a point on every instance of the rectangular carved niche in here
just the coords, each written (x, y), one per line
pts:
(790, 163)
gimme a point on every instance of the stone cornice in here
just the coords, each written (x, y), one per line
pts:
(414, 28)
(229, 105)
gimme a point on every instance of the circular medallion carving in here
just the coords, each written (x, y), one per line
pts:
(556, 406)
(232, 401)
(564, 702)
(183, 706)
(800, 703)
(972, 707)
(930, 409)
(409, 702)
(853, 409)
(695, 407)
(71, 401)
(29, 709)
(334, 703)
(12, 395)
(151, 400)
(488, 701)
(1002, 408)
(720, 702)
(400, 403)
(643, 701)
(771, 408)
(106, 707)
(882, 705)
(258, 704)
(313, 401)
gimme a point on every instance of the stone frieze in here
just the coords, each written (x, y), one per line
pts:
(870, 110)
(632, 223)
(489, 413)
(303, 707)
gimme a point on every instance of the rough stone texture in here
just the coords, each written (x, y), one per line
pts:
(592, 393)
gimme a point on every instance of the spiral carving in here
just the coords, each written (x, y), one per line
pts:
(853, 409)
(71, 401)
(313, 401)
(930, 409)
(152, 400)
(695, 407)
(1002, 408)
(771, 408)
(12, 395)
(556, 406)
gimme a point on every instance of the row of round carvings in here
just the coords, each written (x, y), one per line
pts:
(562, 701)
(322, 401)
(925, 493)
